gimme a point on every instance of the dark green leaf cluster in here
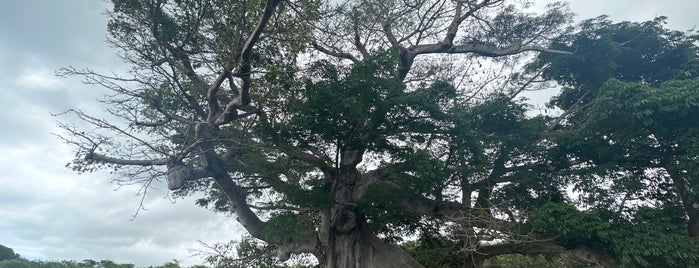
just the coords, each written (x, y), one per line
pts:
(649, 238)
(435, 251)
(7, 253)
(537, 260)
(628, 51)
(288, 224)
(360, 107)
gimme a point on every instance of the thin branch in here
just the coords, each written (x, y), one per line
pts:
(92, 156)
(334, 52)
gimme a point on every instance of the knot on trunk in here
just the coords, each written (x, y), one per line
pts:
(205, 131)
(345, 221)
(176, 176)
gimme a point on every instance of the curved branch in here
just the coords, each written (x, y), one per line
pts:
(334, 52)
(452, 211)
(374, 176)
(152, 124)
(245, 68)
(483, 50)
(178, 174)
(310, 159)
(545, 247)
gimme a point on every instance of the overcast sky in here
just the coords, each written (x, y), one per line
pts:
(49, 212)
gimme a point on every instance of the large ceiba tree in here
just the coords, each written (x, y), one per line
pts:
(341, 128)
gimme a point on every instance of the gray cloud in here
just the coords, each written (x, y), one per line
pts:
(680, 13)
(54, 214)
(62, 32)
(47, 211)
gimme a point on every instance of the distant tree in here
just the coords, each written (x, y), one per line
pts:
(88, 263)
(171, 264)
(7, 253)
(16, 263)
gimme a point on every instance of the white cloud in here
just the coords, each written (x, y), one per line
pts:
(37, 79)
(680, 13)
(49, 212)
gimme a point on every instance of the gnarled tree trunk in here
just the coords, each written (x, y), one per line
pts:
(348, 242)
(345, 237)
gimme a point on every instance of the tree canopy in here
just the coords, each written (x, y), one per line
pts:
(363, 133)
(628, 134)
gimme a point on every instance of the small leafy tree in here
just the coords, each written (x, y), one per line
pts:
(15, 263)
(7, 253)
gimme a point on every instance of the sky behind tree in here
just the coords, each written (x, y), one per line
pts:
(49, 212)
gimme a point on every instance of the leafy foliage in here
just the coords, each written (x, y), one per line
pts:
(629, 99)
(628, 51)
(542, 261)
(435, 252)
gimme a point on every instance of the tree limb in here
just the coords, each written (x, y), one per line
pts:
(92, 156)
(334, 52)
(245, 67)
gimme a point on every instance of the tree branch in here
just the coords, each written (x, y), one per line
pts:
(334, 52)
(483, 50)
(92, 156)
(245, 67)
(537, 247)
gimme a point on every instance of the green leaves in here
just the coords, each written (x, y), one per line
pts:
(672, 105)
(361, 107)
(649, 238)
(568, 225)
(633, 52)
(652, 238)
(287, 225)
(630, 100)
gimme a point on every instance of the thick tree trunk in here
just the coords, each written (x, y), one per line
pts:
(474, 261)
(361, 248)
(348, 242)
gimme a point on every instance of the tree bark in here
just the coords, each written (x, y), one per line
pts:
(477, 259)
(474, 261)
(359, 247)
(349, 243)
(345, 237)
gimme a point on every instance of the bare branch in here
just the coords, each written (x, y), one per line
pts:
(334, 52)
(92, 156)
(244, 68)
